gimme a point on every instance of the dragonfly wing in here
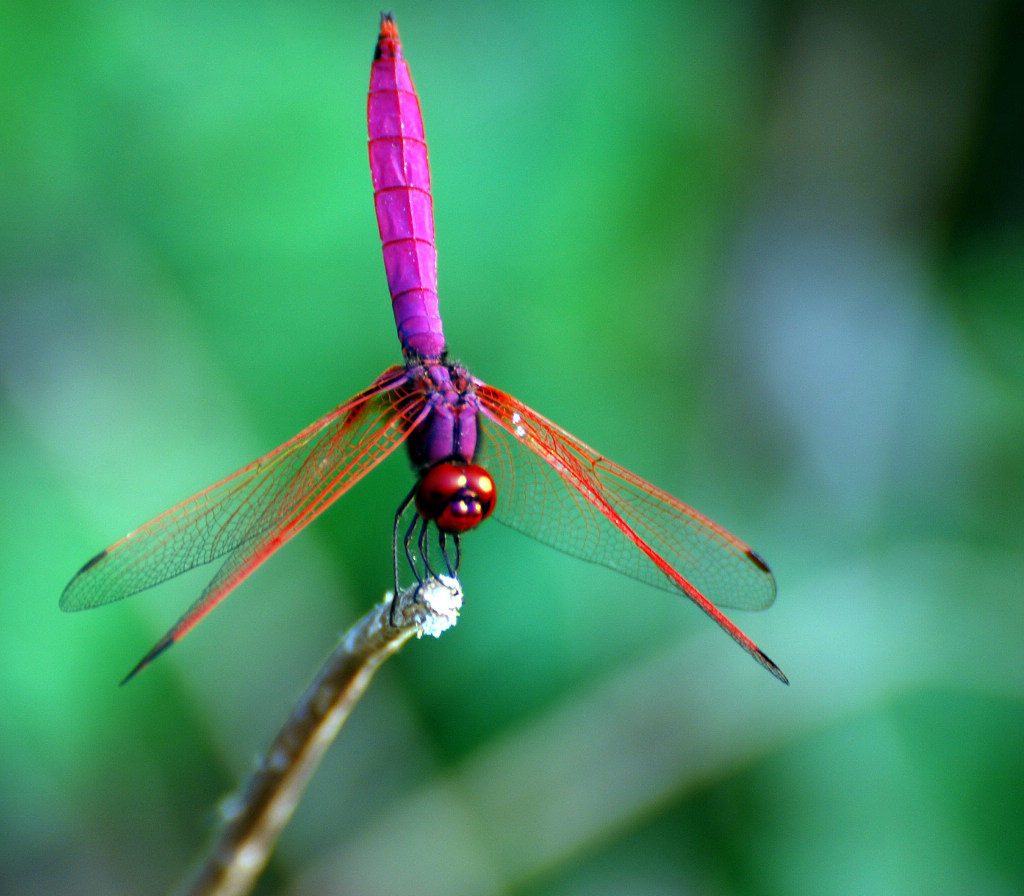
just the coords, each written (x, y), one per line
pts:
(240, 562)
(253, 512)
(560, 491)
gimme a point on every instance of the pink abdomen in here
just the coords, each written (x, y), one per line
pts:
(401, 194)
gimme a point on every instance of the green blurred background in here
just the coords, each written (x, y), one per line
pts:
(768, 255)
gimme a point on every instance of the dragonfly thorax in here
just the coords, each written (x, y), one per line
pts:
(448, 430)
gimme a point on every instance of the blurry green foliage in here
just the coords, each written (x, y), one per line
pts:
(767, 255)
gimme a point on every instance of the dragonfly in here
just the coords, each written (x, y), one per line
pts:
(474, 449)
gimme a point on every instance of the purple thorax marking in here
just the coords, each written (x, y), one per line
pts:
(449, 431)
(401, 194)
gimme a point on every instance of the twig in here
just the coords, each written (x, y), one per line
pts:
(256, 816)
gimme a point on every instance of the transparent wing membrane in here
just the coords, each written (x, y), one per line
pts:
(558, 490)
(251, 513)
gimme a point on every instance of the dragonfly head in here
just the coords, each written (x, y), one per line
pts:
(455, 496)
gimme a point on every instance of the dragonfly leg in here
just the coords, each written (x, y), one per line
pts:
(442, 540)
(410, 556)
(394, 543)
(411, 549)
(423, 542)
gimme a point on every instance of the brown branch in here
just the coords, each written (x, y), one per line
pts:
(258, 814)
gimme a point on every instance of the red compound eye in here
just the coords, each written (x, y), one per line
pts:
(455, 496)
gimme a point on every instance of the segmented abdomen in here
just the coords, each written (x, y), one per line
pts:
(401, 193)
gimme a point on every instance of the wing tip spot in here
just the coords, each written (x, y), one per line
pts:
(64, 602)
(758, 561)
(765, 661)
(91, 563)
(160, 647)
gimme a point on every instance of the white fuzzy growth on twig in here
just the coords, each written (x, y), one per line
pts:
(442, 598)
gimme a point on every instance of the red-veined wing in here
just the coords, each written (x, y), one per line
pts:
(561, 492)
(253, 512)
